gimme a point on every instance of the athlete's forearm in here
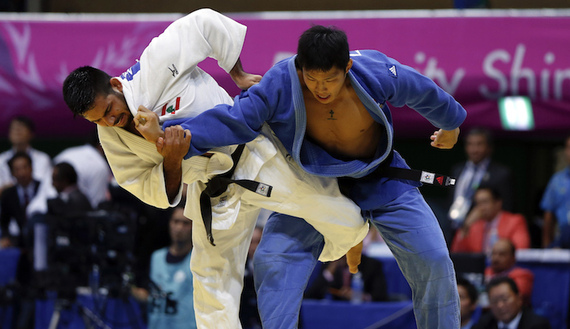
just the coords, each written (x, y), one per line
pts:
(172, 178)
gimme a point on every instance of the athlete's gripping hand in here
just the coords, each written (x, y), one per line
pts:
(175, 143)
(445, 139)
(247, 80)
(146, 122)
(173, 146)
(243, 79)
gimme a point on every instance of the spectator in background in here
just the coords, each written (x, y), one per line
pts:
(477, 171)
(468, 296)
(93, 172)
(15, 200)
(70, 200)
(248, 313)
(556, 206)
(69, 203)
(16, 231)
(335, 281)
(93, 175)
(487, 222)
(170, 301)
(507, 309)
(20, 134)
(503, 264)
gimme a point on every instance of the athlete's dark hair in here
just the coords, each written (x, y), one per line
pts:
(322, 48)
(82, 86)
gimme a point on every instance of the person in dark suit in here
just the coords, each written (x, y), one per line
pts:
(335, 280)
(478, 170)
(14, 201)
(70, 200)
(18, 232)
(506, 308)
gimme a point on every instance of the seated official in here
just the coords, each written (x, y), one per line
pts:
(506, 308)
(503, 264)
(468, 296)
(487, 222)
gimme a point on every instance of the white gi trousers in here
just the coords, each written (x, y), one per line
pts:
(218, 270)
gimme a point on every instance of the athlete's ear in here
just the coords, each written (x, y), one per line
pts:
(116, 84)
(348, 66)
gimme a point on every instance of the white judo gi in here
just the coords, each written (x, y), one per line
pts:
(168, 82)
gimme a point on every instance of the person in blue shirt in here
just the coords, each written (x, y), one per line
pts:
(329, 107)
(556, 206)
(171, 303)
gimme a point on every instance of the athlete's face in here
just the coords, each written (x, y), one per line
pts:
(110, 110)
(326, 85)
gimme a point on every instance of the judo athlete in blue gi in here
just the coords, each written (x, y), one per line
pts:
(330, 109)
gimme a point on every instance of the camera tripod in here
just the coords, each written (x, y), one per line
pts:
(90, 319)
(96, 316)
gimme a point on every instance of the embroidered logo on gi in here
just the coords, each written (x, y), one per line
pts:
(172, 108)
(173, 70)
(263, 189)
(355, 53)
(131, 72)
(427, 177)
(439, 180)
(392, 69)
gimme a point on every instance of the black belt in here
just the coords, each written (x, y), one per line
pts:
(418, 176)
(384, 170)
(218, 185)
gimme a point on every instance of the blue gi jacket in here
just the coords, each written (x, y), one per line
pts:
(278, 100)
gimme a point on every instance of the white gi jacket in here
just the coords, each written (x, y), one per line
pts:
(168, 82)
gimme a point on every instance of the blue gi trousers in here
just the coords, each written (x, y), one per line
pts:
(290, 247)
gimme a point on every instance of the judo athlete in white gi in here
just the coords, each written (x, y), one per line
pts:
(329, 108)
(167, 81)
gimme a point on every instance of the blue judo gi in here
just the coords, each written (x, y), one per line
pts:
(289, 249)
